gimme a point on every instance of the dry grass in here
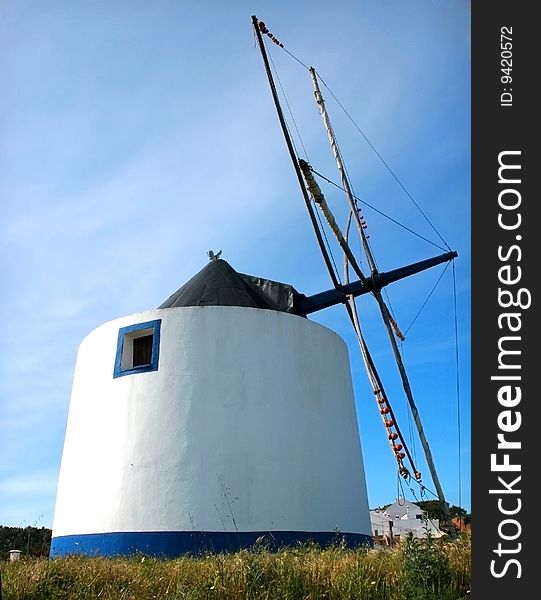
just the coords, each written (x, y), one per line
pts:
(437, 571)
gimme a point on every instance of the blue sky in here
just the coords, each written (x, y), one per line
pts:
(138, 135)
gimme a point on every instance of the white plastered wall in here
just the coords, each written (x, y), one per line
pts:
(248, 424)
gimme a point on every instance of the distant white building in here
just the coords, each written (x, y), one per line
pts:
(399, 519)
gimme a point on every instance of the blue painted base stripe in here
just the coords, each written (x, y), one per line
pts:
(168, 544)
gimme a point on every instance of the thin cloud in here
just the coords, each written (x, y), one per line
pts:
(134, 142)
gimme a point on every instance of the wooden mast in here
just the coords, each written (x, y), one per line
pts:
(292, 154)
(387, 319)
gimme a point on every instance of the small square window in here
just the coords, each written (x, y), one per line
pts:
(138, 348)
(142, 350)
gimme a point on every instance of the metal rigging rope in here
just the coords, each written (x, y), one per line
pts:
(265, 31)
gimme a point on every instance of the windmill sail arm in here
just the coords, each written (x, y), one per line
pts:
(310, 304)
(383, 279)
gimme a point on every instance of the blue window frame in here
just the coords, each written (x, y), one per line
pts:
(138, 348)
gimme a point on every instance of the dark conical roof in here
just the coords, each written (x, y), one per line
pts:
(218, 284)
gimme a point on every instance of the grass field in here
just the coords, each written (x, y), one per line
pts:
(417, 570)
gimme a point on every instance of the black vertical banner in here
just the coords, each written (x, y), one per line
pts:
(506, 259)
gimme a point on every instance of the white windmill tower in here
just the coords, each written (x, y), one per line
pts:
(223, 416)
